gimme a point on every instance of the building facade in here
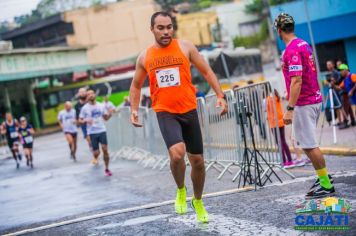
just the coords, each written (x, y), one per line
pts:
(111, 32)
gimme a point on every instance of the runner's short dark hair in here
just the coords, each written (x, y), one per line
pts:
(159, 13)
(288, 28)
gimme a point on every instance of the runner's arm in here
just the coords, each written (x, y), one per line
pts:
(137, 83)
(107, 116)
(31, 130)
(59, 118)
(209, 75)
(204, 68)
(2, 128)
(295, 87)
(338, 87)
(353, 79)
(135, 89)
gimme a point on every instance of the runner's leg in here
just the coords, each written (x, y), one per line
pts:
(198, 174)
(69, 138)
(27, 155)
(177, 163)
(74, 145)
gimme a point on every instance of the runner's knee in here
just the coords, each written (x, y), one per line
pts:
(197, 161)
(177, 152)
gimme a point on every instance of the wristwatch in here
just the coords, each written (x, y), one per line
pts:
(289, 108)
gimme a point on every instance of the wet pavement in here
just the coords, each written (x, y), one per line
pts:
(58, 190)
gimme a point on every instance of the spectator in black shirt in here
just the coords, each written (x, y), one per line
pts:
(82, 100)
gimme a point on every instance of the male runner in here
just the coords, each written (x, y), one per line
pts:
(109, 106)
(10, 128)
(82, 96)
(304, 100)
(167, 64)
(94, 114)
(67, 121)
(26, 132)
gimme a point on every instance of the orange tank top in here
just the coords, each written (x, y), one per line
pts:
(271, 112)
(171, 85)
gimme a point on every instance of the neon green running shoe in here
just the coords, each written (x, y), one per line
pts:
(181, 201)
(202, 214)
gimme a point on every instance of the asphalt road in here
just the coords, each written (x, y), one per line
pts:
(58, 190)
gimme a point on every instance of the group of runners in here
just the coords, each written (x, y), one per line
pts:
(17, 134)
(89, 115)
(167, 65)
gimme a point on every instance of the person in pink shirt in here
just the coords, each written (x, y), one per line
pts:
(304, 101)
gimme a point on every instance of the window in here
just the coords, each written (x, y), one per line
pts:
(66, 95)
(50, 100)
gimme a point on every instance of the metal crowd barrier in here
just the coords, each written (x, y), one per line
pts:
(145, 144)
(223, 136)
(4, 150)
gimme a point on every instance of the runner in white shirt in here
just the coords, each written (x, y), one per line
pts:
(94, 114)
(67, 121)
(109, 106)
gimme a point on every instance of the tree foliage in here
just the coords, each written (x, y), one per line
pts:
(259, 7)
(196, 5)
(255, 40)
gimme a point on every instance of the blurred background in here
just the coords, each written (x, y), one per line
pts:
(51, 48)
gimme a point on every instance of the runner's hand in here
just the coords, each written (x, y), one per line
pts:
(134, 119)
(89, 121)
(288, 116)
(221, 102)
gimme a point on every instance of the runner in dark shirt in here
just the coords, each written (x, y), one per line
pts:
(26, 134)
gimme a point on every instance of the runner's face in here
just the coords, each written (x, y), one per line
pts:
(343, 73)
(23, 123)
(8, 117)
(91, 96)
(68, 106)
(330, 66)
(163, 30)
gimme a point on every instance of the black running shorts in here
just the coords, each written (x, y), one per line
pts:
(12, 141)
(176, 128)
(96, 139)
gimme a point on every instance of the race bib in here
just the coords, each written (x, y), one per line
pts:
(14, 134)
(28, 139)
(168, 77)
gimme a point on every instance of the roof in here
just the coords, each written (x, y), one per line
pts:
(32, 27)
(39, 50)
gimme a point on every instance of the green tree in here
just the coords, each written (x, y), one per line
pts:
(28, 18)
(261, 9)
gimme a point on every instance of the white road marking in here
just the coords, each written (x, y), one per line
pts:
(120, 211)
(154, 205)
(224, 225)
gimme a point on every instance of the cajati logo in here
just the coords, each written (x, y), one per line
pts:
(323, 214)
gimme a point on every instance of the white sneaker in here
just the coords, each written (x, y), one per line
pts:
(299, 163)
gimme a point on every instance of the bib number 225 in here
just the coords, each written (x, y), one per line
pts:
(168, 77)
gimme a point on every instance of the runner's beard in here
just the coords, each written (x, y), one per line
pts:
(160, 42)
